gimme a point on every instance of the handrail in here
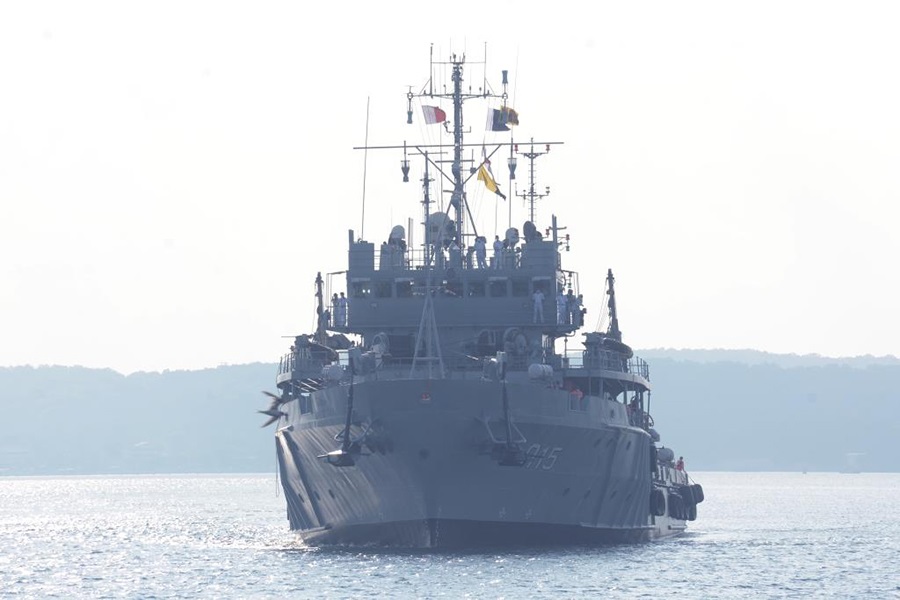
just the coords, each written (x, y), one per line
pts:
(572, 359)
(392, 257)
(607, 360)
(292, 362)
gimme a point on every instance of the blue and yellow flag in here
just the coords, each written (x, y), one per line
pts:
(499, 118)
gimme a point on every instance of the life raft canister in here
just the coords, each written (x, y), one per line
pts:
(692, 512)
(657, 503)
(676, 506)
(687, 493)
(697, 493)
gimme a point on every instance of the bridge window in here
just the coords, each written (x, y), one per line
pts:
(498, 288)
(454, 289)
(404, 289)
(361, 289)
(520, 288)
(383, 289)
(476, 289)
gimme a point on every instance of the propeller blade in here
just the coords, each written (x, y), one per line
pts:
(273, 412)
(274, 415)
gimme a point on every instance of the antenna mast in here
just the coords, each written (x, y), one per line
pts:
(531, 196)
(362, 229)
(611, 303)
(428, 346)
(458, 95)
(426, 202)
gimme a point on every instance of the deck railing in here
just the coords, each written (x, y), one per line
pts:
(607, 360)
(389, 257)
(572, 359)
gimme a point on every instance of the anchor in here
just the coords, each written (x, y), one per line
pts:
(507, 453)
(350, 448)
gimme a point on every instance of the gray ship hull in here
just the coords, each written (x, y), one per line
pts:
(437, 403)
(427, 476)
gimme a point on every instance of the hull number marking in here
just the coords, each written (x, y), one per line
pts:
(541, 457)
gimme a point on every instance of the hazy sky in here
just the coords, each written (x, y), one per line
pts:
(173, 174)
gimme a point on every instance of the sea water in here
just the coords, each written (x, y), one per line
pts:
(758, 535)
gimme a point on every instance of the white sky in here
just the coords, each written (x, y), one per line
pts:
(173, 174)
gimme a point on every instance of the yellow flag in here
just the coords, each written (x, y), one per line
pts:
(484, 175)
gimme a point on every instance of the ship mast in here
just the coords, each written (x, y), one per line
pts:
(458, 95)
(611, 303)
(321, 320)
(426, 203)
(458, 196)
(428, 345)
(531, 196)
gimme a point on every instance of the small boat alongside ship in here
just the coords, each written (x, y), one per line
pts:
(436, 403)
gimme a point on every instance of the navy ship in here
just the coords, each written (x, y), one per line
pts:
(437, 404)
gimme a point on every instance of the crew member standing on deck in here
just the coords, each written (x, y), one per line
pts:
(570, 307)
(455, 255)
(481, 252)
(579, 310)
(538, 297)
(561, 305)
(498, 251)
(679, 466)
(334, 310)
(342, 311)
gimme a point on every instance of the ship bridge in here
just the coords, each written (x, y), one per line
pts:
(386, 289)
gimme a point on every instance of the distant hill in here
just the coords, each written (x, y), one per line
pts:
(78, 420)
(721, 410)
(765, 417)
(758, 357)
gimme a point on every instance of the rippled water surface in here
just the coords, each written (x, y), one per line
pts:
(757, 535)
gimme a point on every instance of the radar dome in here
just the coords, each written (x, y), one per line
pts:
(398, 233)
(439, 227)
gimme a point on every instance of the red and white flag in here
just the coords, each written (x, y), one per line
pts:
(433, 114)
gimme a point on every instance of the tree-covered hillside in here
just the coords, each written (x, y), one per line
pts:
(720, 415)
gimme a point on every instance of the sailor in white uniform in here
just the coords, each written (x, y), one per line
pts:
(561, 308)
(342, 311)
(480, 252)
(538, 297)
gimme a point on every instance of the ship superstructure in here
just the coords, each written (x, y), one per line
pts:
(433, 407)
